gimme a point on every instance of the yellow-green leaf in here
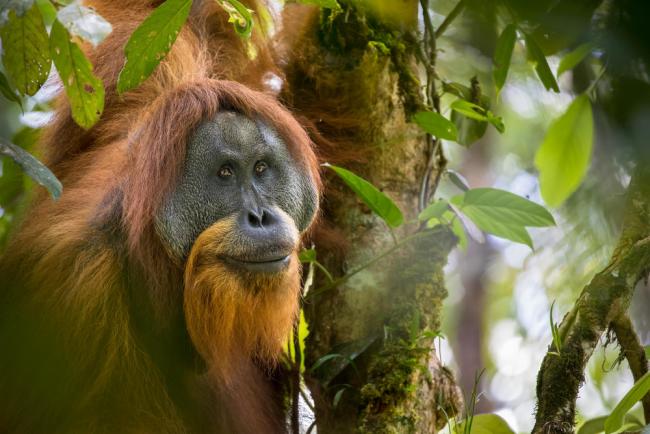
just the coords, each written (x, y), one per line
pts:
(377, 201)
(85, 91)
(616, 419)
(563, 158)
(436, 125)
(26, 57)
(151, 41)
(485, 424)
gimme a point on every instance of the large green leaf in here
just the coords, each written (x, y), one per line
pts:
(503, 55)
(85, 91)
(436, 125)
(541, 65)
(597, 425)
(26, 56)
(615, 421)
(563, 158)
(486, 424)
(434, 210)
(377, 201)
(502, 213)
(572, 59)
(151, 42)
(32, 167)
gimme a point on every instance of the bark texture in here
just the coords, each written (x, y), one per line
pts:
(357, 81)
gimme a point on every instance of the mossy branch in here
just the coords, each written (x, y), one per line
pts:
(634, 353)
(602, 302)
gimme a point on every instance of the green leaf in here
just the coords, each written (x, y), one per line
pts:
(337, 397)
(647, 352)
(486, 424)
(503, 55)
(436, 125)
(614, 422)
(26, 56)
(544, 72)
(470, 110)
(33, 168)
(563, 158)
(502, 213)
(307, 255)
(85, 23)
(435, 210)
(457, 179)
(326, 4)
(377, 201)
(85, 91)
(151, 41)
(459, 230)
(572, 59)
(597, 425)
(8, 92)
(240, 16)
(496, 121)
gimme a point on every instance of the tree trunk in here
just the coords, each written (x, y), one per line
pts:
(356, 80)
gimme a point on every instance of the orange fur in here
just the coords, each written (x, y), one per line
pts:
(92, 332)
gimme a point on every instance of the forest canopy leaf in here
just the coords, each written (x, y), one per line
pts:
(615, 421)
(572, 59)
(503, 55)
(377, 201)
(26, 56)
(536, 55)
(84, 22)
(33, 168)
(151, 41)
(502, 213)
(563, 158)
(85, 91)
(436, 125)
(485, 424)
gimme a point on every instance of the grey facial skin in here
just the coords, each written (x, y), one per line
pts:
(236, 166)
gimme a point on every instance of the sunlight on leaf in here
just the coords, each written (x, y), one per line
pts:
(377, 201)
(435, 210)
(326, 4)
(85, 91)
(563, 158)
(151, 41)
(26, 56)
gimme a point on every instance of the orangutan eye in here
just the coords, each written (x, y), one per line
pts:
(260, 167)
(225, 172)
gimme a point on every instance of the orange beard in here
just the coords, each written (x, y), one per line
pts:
(234, 316)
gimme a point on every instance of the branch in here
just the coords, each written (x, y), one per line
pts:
(605, 299)
(634, 353)
(450, 17)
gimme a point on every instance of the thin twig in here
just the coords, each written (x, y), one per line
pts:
(450, 17)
